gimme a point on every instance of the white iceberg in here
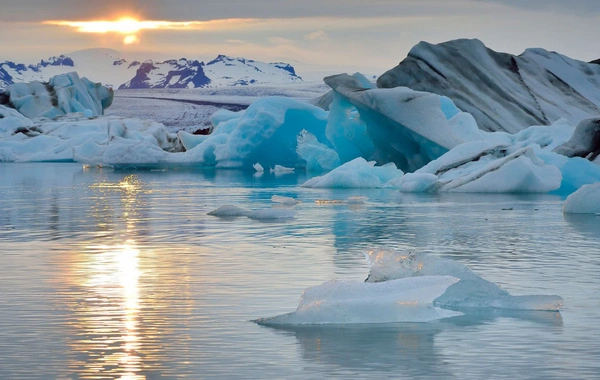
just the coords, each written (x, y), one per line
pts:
(352, 302)
(357, 173)
(586, 200)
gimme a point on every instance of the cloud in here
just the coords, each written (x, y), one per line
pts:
(280, 41)
(582, 7)
(233, 41)
(318, 35)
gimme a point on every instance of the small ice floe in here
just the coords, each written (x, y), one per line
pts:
(229, 211)
(357, 200)
(258, 167)
(280, 170)
(330, 202)
(272, 214)
(353, 302)
(284, 200)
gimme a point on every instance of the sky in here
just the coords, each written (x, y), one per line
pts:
(316, 36)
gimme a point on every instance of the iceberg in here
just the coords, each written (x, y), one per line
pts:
(352, 302)
(503, 92)
(357, 173)
(229, 211)
(586, 200)
(472, 291)
(406, 127)
(61, 95)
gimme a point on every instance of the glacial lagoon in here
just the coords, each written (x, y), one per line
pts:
(122, 274)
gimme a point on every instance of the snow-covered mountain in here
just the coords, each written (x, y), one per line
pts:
(109, 67)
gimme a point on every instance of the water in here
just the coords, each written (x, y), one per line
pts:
(123, 275)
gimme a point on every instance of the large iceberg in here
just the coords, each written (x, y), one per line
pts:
(503, 92)
(406, 127)
(406, 288)
(471, 291)
(352, 302)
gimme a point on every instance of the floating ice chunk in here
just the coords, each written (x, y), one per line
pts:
(280, 170)
(351, 302)
(284, 200)
(229, 211)
(357, 200)
(520, 172)
(258, 167)
(272, 214)
(357, 173)
(330, 202)
(486, 166)
(471, 291)
(586, 200)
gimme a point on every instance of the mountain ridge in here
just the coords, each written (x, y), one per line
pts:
(110, 67)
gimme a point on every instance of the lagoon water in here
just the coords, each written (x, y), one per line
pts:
(121, 274)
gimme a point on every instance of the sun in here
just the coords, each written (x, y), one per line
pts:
(131, 39)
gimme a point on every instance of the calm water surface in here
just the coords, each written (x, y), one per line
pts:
(112, 274)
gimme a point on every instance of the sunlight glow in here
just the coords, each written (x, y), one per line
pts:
(131, 39)
(131, 27)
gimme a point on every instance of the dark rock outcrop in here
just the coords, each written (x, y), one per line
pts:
(585, 141)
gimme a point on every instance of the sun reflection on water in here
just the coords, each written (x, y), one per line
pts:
(109, 272)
